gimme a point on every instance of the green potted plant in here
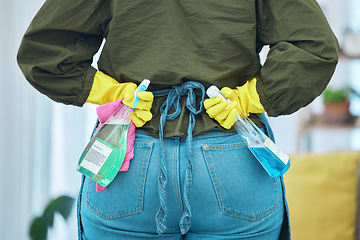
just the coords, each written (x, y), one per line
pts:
(336, 103)
(39, 226)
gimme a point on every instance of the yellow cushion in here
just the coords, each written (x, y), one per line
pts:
(322, 196)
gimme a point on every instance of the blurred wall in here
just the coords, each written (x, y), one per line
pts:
(41, 140)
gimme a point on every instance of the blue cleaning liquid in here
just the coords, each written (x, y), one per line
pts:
(273, 160)
(270, 162)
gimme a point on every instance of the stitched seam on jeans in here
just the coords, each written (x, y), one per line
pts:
(253, 219)
(276, 191)
(112, 216)
(187, 220)
(259, 216)
(212, 135)
(143, 170)
(217, 190)
(223, 146)
(138, 208)
(177, 177)
(223, 210)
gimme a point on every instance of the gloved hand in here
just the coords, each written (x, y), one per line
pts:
(244, 100)
(105, 89)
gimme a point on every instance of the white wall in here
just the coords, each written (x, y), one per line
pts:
(40, 140)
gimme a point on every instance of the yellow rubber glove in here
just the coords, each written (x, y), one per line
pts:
(244, 100)
(221, 111)
(106, 89)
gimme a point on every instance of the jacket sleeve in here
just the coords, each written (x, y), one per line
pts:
(303, 54)
(56, 52)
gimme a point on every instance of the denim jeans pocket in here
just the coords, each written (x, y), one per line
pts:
(125, 195)
(242, 186)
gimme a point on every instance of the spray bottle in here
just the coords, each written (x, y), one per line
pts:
(274, 161)
(105, 153)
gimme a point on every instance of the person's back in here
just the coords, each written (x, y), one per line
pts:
(179, 179)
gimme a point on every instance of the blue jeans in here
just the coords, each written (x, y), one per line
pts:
(231, 197)
(207, 187)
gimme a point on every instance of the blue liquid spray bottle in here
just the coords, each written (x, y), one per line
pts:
(273, 160)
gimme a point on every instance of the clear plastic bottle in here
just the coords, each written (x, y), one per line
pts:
(105, 153)
(274, 161)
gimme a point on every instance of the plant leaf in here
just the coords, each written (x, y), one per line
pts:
(62, 205)
(65, 206)
(40, 225)
(38, 229)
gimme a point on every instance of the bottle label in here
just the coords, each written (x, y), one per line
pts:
(280, 154)
(96, 156)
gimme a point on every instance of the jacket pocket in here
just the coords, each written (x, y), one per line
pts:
(125, 195)
(243, 188)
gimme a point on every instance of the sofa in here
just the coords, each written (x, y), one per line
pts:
(323, 196)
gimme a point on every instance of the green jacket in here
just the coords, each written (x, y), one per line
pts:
(172, 41)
